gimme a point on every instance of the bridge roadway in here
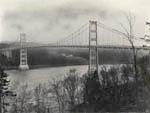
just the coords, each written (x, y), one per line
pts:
(77, 46)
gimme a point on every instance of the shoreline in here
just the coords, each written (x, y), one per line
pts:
(46, 66)
(50, 66)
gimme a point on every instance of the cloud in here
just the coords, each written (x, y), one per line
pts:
(48, 21)
(42, 21)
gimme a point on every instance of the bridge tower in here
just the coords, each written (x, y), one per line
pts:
(23, 53)
(93, 50)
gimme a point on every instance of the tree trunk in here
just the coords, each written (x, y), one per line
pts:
(0, 103)
(135, 69)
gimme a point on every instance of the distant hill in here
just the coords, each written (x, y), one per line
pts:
(17, 44)
(4, 45)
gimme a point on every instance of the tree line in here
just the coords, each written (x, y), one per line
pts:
(62, 57)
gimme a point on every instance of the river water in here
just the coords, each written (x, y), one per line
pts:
(34, 77)
(43, 75)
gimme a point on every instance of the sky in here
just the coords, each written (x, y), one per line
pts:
(47, 21)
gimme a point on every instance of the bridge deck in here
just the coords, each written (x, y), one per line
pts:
(78, 46)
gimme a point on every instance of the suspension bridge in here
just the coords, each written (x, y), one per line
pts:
(92, 35)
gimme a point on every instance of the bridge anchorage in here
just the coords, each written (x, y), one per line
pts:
(23, 53)
(93, 50)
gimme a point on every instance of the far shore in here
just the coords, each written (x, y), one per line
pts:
(45, 66)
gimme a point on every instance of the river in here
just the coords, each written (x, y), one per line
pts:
(42, 75)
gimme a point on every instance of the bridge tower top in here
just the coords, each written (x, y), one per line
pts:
(22, 39)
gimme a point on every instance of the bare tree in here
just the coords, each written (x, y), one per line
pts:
(130, 19)
(72, 87)
(38, 97)
(68, 92)
(58, 92)
(41, 97)
(24, 97)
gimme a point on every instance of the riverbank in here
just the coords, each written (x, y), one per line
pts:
(49, 66)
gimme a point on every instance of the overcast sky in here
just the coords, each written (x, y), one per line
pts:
(50, 20)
